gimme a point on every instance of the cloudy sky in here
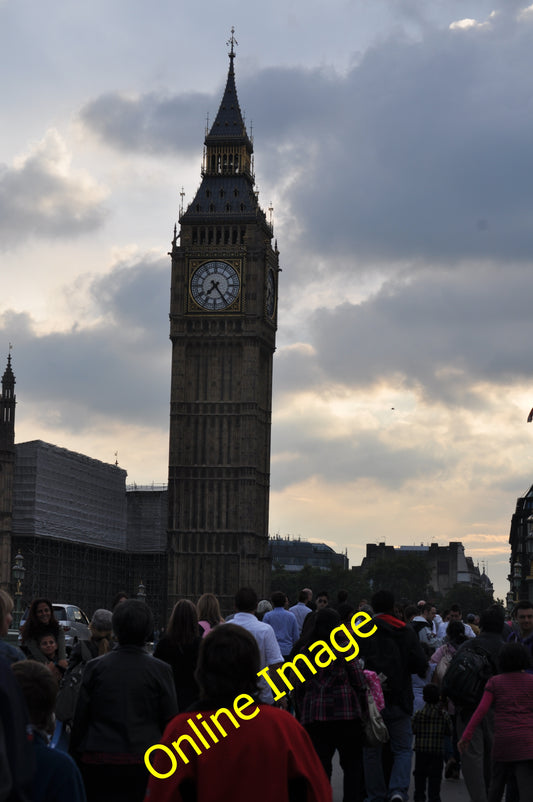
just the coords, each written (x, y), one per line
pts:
(393, 140)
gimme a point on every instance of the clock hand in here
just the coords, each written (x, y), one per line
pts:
(217, 288)
(214, 286)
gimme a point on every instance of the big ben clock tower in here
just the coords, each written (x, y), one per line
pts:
(223, 318)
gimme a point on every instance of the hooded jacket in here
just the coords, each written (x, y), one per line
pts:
(394, 651)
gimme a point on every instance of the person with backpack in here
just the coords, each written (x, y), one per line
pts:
(394, 652)
(475, 662)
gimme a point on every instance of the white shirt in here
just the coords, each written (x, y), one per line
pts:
(301, 611)
(426, 634)
(437, 621)
(469, 632)
(269, 651)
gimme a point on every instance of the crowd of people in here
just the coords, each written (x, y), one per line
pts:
(202, 719)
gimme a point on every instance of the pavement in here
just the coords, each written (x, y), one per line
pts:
(450, 790)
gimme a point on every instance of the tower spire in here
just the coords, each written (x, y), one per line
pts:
(227, 167)
(231, 44)
(7, 408)
(229, 124)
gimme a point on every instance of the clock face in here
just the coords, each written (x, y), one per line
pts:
(270, 303)
(215, 285)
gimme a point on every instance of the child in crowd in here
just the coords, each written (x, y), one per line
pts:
(430, 726)
(55, 775)
(49, 648)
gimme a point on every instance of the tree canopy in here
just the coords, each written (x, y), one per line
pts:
(470, 598)
(407, 576)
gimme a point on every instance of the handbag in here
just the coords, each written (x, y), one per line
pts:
(375, 729)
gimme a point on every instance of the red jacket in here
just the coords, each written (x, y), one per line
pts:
(254, 762)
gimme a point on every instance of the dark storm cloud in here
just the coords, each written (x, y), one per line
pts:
(422, 149)
(119, 368)
(440, 334)
(149, 123)
(427, 153)
(40, 196)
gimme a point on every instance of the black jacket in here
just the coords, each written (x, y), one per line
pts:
(394, 650)
(182, 660)
(126, 699)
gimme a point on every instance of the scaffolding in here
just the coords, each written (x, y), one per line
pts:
(82, 536)
(65, 495)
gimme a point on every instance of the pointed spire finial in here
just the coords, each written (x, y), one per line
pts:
(231, 43)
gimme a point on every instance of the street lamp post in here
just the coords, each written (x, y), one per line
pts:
(18, 572)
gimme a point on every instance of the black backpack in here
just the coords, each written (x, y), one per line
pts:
(467, 675)
(69, 689)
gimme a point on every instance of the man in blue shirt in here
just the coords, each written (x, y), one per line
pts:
(283, 622)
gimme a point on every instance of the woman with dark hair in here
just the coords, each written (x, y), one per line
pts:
(41, 620)
(208, 610)
(331, 704)
(510, 693)
(179, 648)
(244, 750)
(126, 699)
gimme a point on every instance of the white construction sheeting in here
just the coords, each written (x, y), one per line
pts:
(65, 495)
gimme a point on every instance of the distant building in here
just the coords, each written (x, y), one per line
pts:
(83, 536)
(64, 495)
(521, 541)
(449, 564)
(293, 554)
